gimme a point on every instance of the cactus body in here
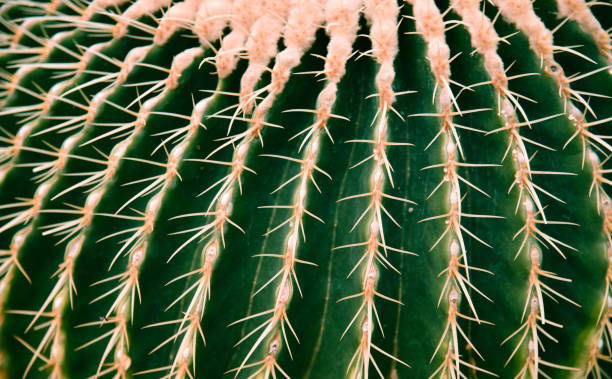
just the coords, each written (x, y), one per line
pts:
(317, 188)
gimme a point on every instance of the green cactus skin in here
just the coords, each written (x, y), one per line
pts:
(322, 189)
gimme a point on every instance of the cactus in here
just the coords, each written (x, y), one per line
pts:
(305, 188)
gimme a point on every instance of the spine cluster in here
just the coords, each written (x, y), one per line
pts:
(457, 283)
(382, 16)
(274, 37)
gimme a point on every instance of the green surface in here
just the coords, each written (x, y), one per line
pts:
(411, 331)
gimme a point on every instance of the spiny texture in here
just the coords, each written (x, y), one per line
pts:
(306, 188)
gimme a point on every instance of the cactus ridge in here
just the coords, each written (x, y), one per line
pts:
(180, 198)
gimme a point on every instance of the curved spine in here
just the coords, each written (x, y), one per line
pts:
(578, 10)
(121, 312)
(300, 28)
(601, 343)
(521, 13)
(457, 284)
(75, 230)
(382, 15)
